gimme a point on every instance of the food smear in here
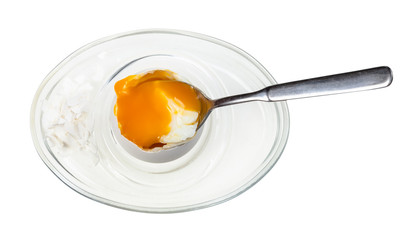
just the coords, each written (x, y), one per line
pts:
(155, 110)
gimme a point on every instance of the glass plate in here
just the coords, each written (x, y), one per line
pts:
(76, 135)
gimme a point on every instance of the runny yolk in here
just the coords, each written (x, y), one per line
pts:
(142, 107)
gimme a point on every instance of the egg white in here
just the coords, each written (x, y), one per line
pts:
(183, 123)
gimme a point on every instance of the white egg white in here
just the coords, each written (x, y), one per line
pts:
(183, 123)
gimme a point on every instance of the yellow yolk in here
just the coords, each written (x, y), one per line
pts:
(142, 106)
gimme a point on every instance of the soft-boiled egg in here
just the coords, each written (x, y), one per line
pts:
(155, 110)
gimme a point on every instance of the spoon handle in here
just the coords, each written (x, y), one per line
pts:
(340, 83)
(361, 80)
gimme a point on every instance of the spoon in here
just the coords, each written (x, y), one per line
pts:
(361, 80)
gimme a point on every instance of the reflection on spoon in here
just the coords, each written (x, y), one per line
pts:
(157, 111)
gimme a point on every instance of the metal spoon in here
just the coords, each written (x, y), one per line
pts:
(361, 80)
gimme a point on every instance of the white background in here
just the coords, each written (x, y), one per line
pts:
(349, 171)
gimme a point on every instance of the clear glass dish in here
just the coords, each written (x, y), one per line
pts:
(76, 135)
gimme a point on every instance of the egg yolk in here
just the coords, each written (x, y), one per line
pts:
(142, 108)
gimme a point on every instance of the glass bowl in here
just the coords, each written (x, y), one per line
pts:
(76, 135)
